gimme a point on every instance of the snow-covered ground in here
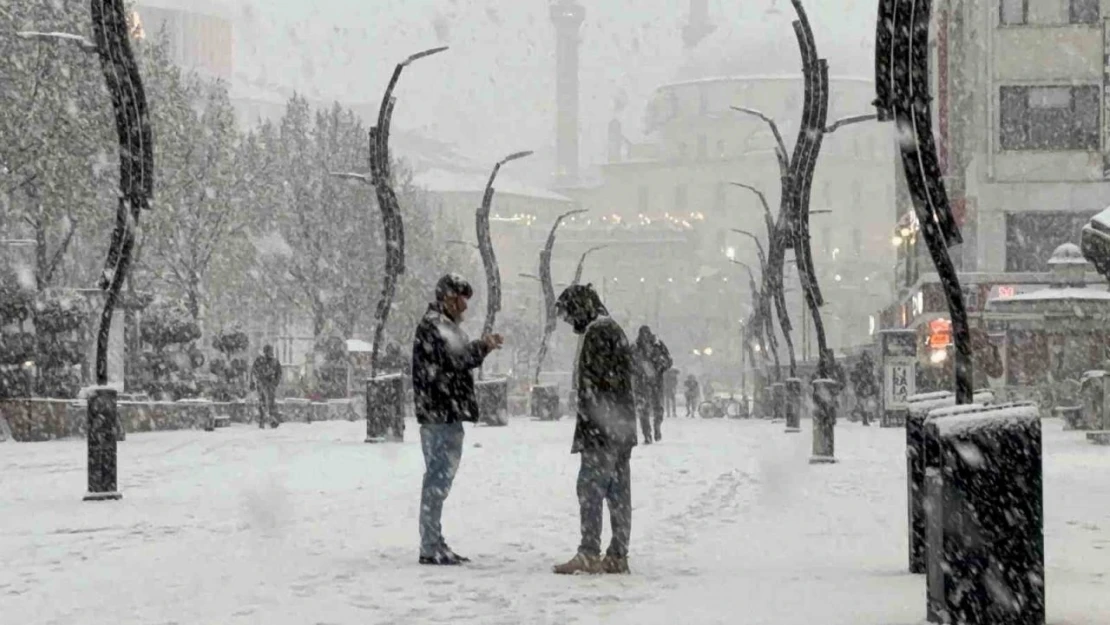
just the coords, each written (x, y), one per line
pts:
(307, 524)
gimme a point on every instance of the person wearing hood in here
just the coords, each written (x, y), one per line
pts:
(652, 359)
(443, 361)
(604, 432)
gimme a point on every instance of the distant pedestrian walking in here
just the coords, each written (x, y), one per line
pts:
(604, 434)
(670, 393)
(266, 376)
(651, 360)
(691, 391)
(443, 361)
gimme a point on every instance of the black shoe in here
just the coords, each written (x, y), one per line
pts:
(443, 559)
(658, 437)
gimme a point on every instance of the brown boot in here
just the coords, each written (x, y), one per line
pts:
(614, 565)
(580, 564)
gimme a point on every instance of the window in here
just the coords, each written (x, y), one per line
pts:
(683, 151)
(1013, 12)
(1049, 118)
(644, 200)
(721, 148)
(1031, 237)
(680, 199)
(703, 147)
(1083, 12)
(703, 99)
(857, 241)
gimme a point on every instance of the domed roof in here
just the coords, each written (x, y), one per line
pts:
(751, 52)
(1067, 254)
(766, 47)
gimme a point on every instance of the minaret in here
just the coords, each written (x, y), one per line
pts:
(567, 16)
(698, 27)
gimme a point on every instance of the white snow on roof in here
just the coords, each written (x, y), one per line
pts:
(443, 181)
(999, 418)
(1067, 254)
(928, 396)
(1069, 294)
(758, 78)
(1103, 218)
(932, 405)
(359, 346)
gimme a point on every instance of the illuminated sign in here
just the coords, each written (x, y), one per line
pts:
(940, 333)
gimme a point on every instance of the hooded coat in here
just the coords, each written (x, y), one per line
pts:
(606, 409)
(443, 361)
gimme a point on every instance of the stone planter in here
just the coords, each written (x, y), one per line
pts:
(385, 408)
(493, 401)
(545, 402)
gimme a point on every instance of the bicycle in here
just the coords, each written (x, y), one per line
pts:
(720, 407)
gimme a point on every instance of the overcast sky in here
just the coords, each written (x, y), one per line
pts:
(494, 91)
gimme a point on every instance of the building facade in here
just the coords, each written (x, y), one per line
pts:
(694, 146)
(1020, 102)
(200, 37)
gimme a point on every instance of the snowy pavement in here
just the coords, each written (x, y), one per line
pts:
(306, 524)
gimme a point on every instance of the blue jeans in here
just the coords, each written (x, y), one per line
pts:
(442, 445)
(605, 475)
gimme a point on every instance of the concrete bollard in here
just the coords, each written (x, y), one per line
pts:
(385, 409)
(493, 401)
(793, 406)
(545, 402)
(101, 435)
(985, 517)
(824, 422)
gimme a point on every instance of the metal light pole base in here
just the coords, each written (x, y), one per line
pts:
(101, 433)
(113, 496)
(824, 422)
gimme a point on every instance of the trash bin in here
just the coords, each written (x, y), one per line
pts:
(985, 517)
(918, 410)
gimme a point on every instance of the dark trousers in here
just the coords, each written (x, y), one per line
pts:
(670, 404)
(442, 445)
(605, 476)
(691, 405)
(267, 406)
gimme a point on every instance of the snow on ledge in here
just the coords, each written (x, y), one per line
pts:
(990, 419)
(1050, 294)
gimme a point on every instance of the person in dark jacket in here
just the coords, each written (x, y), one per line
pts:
(266, 374)
(652, 359)
(670, 393)
(691, 391)
(865, 387)
(443, 361)
(604, 432)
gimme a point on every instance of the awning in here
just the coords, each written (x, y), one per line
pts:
(359, 346)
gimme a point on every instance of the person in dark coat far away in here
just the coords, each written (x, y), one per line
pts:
(865, 387)
(691, 392)
(670, 393)
(266, 374)
(652, 359)
(605, 431)
(443, 361)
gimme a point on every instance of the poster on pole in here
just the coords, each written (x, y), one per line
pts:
(898, 363)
